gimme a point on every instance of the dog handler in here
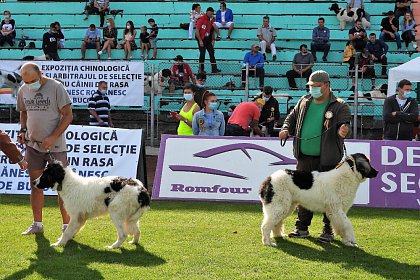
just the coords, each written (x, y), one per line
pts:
(45, 114)
(319, 124)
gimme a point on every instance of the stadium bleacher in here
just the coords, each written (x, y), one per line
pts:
(294, 21)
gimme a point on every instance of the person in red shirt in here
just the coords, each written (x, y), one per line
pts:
(204, 34)
(181, 74)
(245, 118)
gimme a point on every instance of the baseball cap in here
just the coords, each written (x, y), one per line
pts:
(319, 76)
(260, 101)
(179, 57)
(255, 46)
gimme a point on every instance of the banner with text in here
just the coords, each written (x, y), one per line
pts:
(232, 169)
(125, 80)
(92, 151)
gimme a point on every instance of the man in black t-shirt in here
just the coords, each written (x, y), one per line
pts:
(358, 36)
(402, 7)
(50, 42)
(389, 29)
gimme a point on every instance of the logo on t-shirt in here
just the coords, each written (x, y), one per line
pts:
(37, 103)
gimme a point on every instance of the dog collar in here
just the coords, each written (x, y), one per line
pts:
(349, 160)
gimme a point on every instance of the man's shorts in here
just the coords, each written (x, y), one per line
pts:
(153, 42)
(90, 45)
(38, 160)
(220, 25)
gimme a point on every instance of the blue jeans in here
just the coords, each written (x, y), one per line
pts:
(384, 36)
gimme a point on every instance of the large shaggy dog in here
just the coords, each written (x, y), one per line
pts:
(124, 199)
(353, 15)
(329, 192)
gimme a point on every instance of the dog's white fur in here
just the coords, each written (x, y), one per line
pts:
(84, 199)
(332, 193)
(344, 18)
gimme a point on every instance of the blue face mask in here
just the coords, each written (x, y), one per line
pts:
(407, 94)
(188, 96)
(315, 92)
(213, 105)
(266, 98)
(229, 113)
(104, 91)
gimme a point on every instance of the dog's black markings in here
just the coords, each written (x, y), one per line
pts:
(303, 179)
(143, 198)
(54, 173)
(118, 183)
(266, 190)
(342, 12)
(107, 201)
(107, 190)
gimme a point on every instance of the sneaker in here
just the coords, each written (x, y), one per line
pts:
(218, 38)
(228, 38)
(326, 237)
(100, 53)
(414, 45)
(324, 59)
(33, 229)
(299, 234)
(274, 57)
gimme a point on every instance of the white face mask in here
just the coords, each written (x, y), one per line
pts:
(265, 98)
(104, 91)
(407, 94)
(128, 26)
(315, 91)
(34, 86)
(6, 16)
(108, 24)
(188, 96)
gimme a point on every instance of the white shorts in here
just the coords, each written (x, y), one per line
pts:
(220, 25)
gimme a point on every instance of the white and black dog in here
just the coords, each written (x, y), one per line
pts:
(353, 15)
(329, 192)
(124, 199)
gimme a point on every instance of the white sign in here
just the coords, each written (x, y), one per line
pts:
(226, 168)
(125, 80)
(92, 151)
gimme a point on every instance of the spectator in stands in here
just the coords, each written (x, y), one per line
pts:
(144, 43)
(181, 74)
(200, 88)
(209, 121)
(378, 50)
(153, 36)
(358, 4)
(267, 35)
(187, 112)
(366, 68)
(129, 42)
(110, 37)
(204, 34)
(302, 66)
(224, 19)
(195, 14)
(256, 65)
(349, 55)
(229, 113)
(50, 42)
(92, 40)
(100, 7)
(11, 151)
(270, 113)
(407, 26)
(402, 7)
(400, 113)
(7, 32)
(99, 107)
(315, 146)
(358, 36)
(389, 29)
(60, 35)
(245, 118)
(320, 40)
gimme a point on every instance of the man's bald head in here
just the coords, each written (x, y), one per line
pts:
(30, 73)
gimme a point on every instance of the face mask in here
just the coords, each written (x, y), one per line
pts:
(305, 53)
(315, 92)
(229, 113)
(6, 16)
(265, 98)
(213, 105)
(128, 26)
(407, 94)
(188, 96)
(34, 86)
(200, 85)
(104, 91)
(108, 24)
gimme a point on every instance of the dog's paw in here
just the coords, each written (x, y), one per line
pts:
(58, 244)
(271, 244)
(112, 247)
(134, 242)
(350, 244)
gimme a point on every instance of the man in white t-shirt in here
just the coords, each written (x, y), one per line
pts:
(45, 114)
(224, 19)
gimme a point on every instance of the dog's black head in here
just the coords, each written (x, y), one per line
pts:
(334, 7)
(363, 166)
(52, 176)
(360, 13)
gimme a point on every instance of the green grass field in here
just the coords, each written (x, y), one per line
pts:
(196, 240)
